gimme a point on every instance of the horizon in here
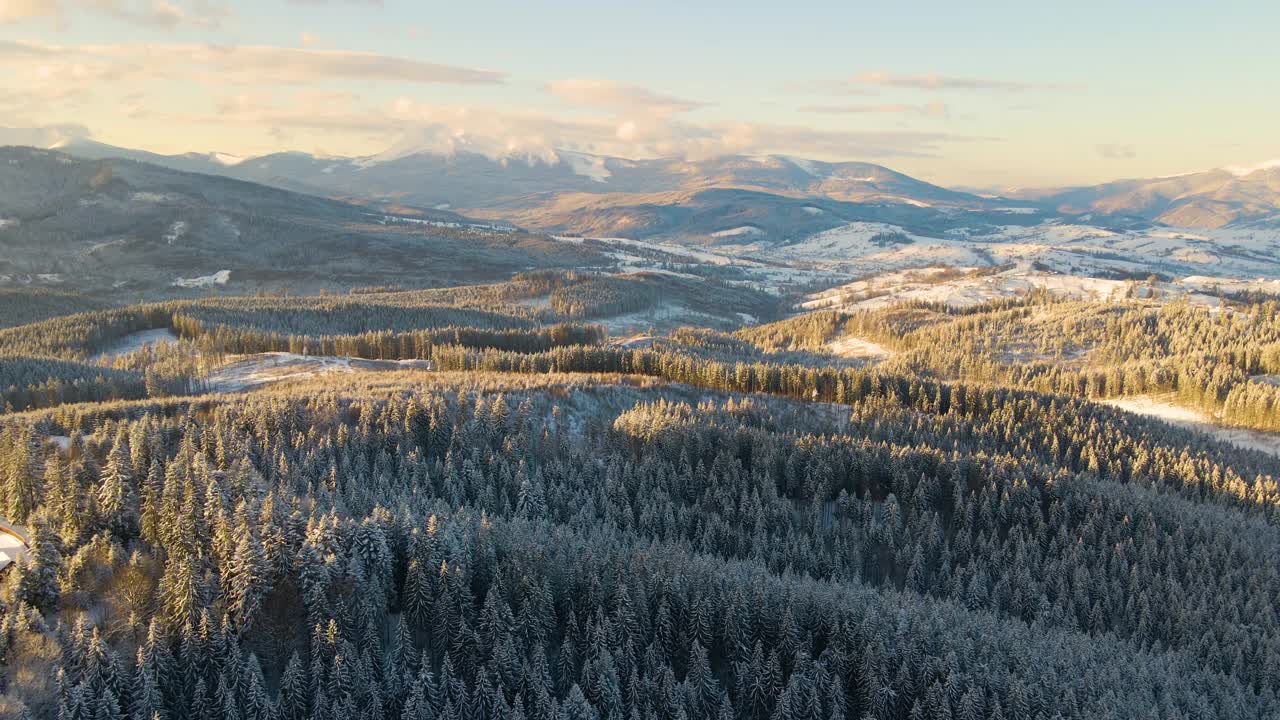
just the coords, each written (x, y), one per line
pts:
(552, 156)
(930, 93)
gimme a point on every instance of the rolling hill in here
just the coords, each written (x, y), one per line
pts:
(1213, 199)
(130, 229)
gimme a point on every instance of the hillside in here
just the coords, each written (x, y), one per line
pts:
(126, 229)
(1213, 199)
(538, 524)
(580, 193)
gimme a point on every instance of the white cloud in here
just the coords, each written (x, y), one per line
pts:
(14, 11)
(165, 14)
(79, 66)
(614, 95)
(277, 97)
(931, 109)
(934, 81)
(407, 125)
(43, 136)
(1116, 151)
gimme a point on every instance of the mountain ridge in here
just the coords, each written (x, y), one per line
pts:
(538, 188)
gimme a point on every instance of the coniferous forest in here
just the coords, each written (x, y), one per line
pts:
(535, 522)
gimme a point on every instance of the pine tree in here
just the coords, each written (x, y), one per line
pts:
(117, 496)
(38, 572)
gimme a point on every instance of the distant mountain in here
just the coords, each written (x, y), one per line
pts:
(473, 180)
(1217, 198)
(574, 192)
(776, 197)
(129, 229)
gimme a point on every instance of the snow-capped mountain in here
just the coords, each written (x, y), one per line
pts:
(780, 197)
(1245, 196)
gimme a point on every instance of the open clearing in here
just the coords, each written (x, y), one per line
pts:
(136, 341)
(251, 371)
(856, 347)
(1196, 420)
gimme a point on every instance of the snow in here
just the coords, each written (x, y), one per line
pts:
(1185, 417)
(535, 302)
(251, 371)
(153, 197)
(807, 166)
(666, 314)
(813, 210)
(912, 201)
(106, 244)
(1196, 420)
(401, 220)
(744, 230)
(684, 253)
(136, 341)
(1242, 171)
(1066, 248)
(959, 287)
(636, 342)
(176, 231)
(222, 277)
(226, 159)
(856, 347)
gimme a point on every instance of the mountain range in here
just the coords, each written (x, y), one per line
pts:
(674, 199)
(128, 229)
(126, 224)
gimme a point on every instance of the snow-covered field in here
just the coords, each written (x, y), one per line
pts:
(864, 247)
(734, 232)
(253, 371)
(222, 277)
(136, 341)
(1196, 420)
(858, 348)
(867, 265)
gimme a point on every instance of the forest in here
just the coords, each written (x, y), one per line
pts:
(546, 523)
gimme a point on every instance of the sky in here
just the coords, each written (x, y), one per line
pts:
(976, 95)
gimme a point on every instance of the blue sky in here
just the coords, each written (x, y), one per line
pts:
(994, 94)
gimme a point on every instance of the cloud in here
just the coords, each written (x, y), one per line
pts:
(932, 109)
(408, 125)
(42, 136)
(273, 96)
(14, 11)
(614, 95)
(1113, 151)
(83, 65)
(163, 14)
(307, 39)
(934, 81)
